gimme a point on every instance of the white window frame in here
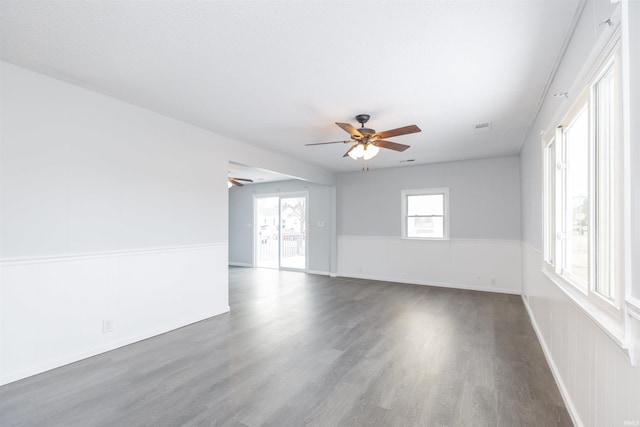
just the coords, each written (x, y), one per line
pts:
(609, 313)
(425, 192)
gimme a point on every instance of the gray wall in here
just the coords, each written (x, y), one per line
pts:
(241, 221)
(578, 50)
(484, 198)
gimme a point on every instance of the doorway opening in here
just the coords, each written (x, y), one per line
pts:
(280, 231)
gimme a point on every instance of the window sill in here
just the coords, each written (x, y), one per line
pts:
(613, 327)
(437, 239)
(633, 307)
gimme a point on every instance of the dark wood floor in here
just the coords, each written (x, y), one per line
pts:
(301, 350)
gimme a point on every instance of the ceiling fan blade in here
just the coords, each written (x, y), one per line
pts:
(323, 143)
(350, 130)
(234, 182)
(399, 131)
(242, 179)
(349, 150)
(390, 145)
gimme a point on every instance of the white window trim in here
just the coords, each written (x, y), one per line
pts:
(612, 326)
(616, 323)
(549, 255)
(608, 313)
(560, 200)
(420, 192)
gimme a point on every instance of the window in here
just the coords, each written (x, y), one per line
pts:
(575, 221)
(425, 213)
(582, 208)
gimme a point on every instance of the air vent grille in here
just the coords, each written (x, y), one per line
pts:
(482, 127)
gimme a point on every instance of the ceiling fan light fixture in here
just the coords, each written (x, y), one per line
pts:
(229, 184)
(357, 152)
(367, 141)
(370, 151)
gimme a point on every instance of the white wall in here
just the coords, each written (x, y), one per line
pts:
(52, 309)
(631, 52)
(596, 377)
(87, 173)
(320, 207)
(107, 212)
(484, 250)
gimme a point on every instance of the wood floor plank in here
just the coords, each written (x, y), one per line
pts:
(308, 350)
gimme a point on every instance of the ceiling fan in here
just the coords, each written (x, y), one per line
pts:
(367, 142)
(236, 181)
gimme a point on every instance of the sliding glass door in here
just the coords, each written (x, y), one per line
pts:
(267, 234)
(280, 238)
(293, 232)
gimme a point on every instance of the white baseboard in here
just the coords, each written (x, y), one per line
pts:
(568, 403)
(34, 370)
(318, 272)
(240, 264)
(594, 374)
(54, 308)
(434, 284)
(481, 265)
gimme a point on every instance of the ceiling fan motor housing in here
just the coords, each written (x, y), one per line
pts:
(365, 132)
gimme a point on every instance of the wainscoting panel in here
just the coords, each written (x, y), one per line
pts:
(58, 310)
(411, 260)
(595, 376)
(487, 265)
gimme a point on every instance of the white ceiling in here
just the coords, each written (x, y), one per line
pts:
(278, 74)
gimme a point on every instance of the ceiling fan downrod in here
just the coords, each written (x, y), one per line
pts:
(365, 132)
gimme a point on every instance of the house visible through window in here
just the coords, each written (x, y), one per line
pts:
(576, 171)
(424, 214)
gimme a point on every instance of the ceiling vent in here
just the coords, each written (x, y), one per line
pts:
(407, 161)
(482, 127)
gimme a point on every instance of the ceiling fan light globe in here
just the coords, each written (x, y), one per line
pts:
(229, 184)
(357, 152)
(370, 151)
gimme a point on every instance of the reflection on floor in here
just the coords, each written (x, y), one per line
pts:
(295, 262)
(307, 350)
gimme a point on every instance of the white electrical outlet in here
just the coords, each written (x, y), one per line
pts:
(493, 281)
(107, 326)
